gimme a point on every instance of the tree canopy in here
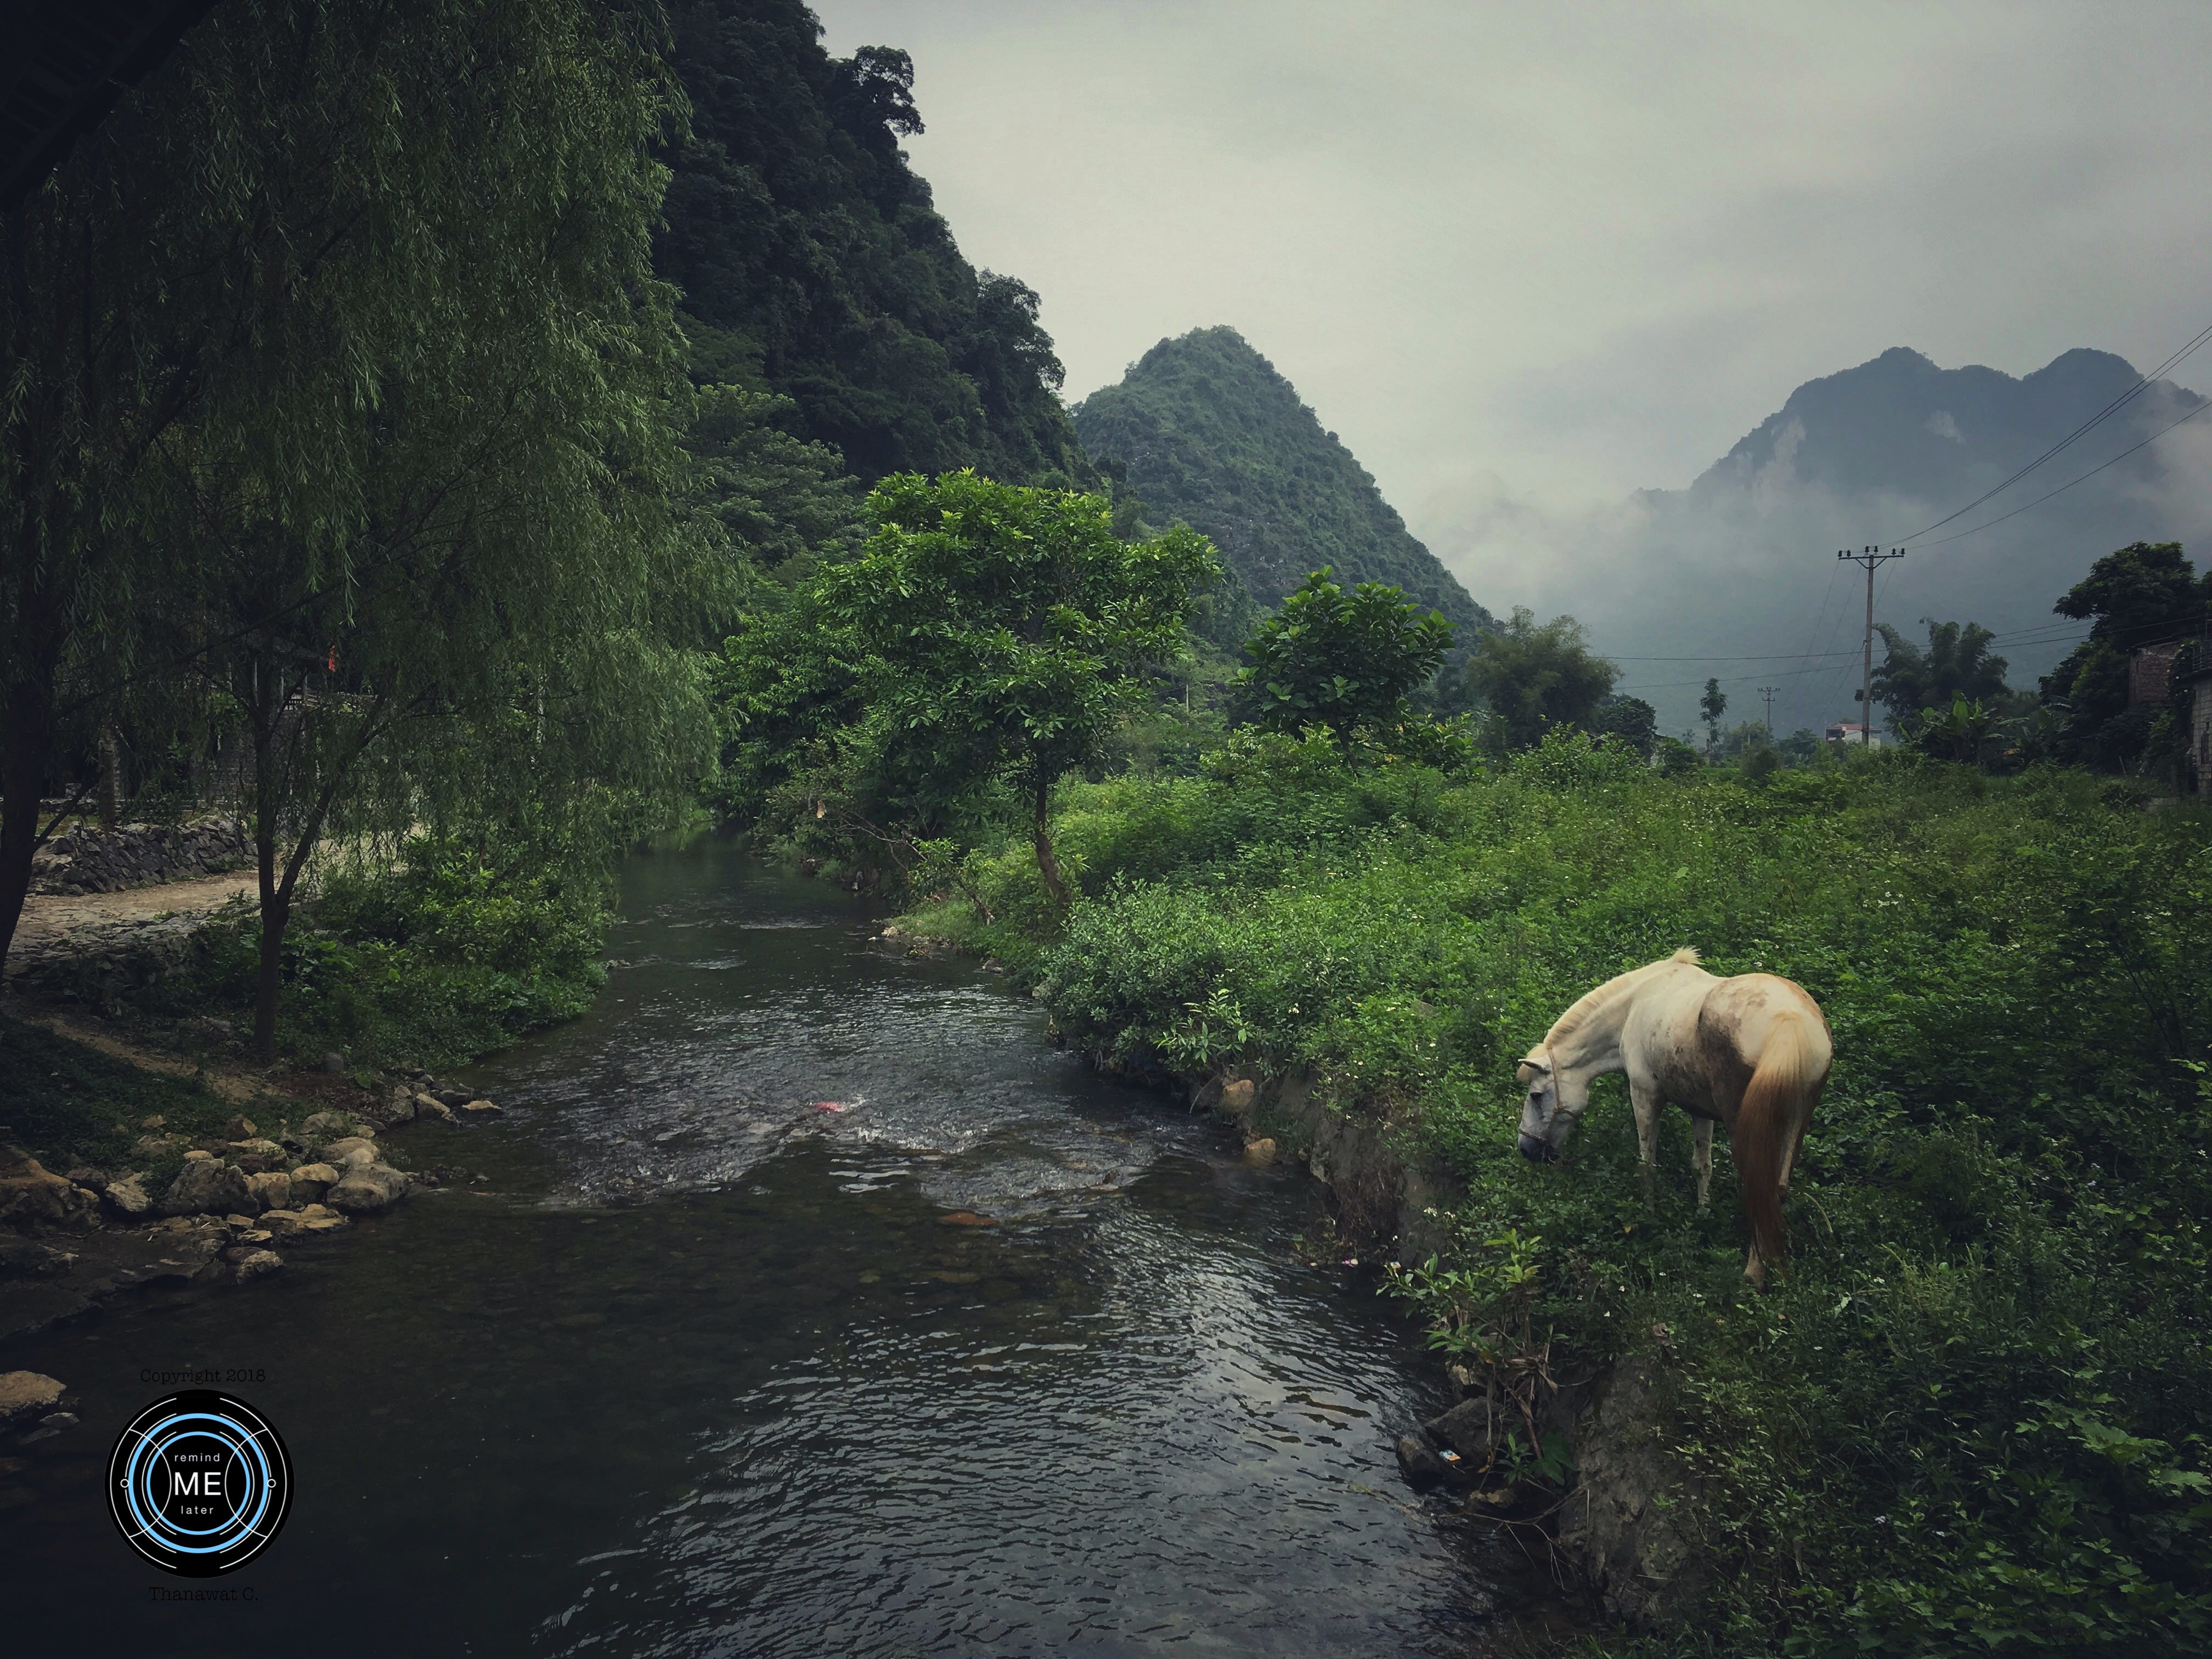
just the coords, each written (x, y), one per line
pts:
(1345, 660)
(814, 265)
(1955, 665)
(368, 420)
(1531, 677)
(1008, 629)
(2135, 595)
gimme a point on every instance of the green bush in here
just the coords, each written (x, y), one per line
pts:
(458, 949)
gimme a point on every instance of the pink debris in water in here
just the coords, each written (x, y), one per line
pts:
(831, 1106)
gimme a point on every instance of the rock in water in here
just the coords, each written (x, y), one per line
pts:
(1236, 1097)
(311, 1181)
(365, 1188)
(207, 1187)
(248, 1262)
(128, 1196)
(1420, 1465)
(1468, 1428)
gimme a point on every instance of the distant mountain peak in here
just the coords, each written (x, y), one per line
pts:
(1206, 429)
(1901, 425)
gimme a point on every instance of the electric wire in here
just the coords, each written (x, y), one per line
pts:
(2063, 487)
(2102, 415)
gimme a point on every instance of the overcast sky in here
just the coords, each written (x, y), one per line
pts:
(1547, 255)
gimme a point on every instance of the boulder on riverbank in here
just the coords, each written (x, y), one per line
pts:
(31, 1195)
(207, 1187)
(367, 1188)
(26, 1396)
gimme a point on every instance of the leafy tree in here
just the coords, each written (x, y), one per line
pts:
(407, 496)
(1008, 630)
(1533, 678)
(776, 498)
(1956, 663)
(1346, 661)
(1956, 732)
(2141, 593)
(1710, 707)
(249, 272)
(1633, 721)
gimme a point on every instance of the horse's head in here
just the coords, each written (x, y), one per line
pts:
(1545, 1123)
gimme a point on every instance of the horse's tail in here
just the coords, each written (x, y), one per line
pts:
(1773, 1102)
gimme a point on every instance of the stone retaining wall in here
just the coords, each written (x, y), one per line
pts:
(89, 860)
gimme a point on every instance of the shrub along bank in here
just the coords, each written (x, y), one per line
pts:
(457, 949)
(1970, 1420)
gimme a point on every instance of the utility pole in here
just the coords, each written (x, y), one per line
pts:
(1766, 695)
(1869, 557)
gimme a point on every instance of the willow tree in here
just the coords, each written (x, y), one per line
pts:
(1009, 630)
(364, 391)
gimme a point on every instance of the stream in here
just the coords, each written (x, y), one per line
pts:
(1001, 1358)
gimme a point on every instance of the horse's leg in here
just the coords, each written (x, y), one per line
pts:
(1646, 1101)
(1701, 1156)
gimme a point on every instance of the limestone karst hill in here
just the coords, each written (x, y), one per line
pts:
(1205, 429)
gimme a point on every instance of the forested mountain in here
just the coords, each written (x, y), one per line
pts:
(1205, 429)
(810, 252)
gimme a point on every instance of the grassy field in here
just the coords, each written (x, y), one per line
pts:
(1971, 1419)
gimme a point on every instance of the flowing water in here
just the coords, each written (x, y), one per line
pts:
(1000, 1358)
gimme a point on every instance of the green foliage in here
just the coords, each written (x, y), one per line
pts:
(777, 500)
(1533, 678)
(815, 268)
(2144, 592)
(461, 947)
(1956, 664)
(1710, 706)
(1957, 732)
(1342, 660)
(1008, 629)
(1631, 720)
(1208, 433)
(1970, 1419)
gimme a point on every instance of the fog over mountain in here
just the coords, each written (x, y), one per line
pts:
(1742, 564)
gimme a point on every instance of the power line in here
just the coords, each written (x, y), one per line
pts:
(2102, 415)
(2063, 487)
(1763, 656)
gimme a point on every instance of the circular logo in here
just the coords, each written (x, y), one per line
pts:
(198, 1483)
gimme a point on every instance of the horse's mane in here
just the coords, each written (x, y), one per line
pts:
(1586, 1006)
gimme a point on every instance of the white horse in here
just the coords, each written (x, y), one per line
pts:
(1752, 1052)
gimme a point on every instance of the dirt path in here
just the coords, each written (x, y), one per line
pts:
(62, 924)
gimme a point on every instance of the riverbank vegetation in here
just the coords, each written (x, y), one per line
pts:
(1970, 1420)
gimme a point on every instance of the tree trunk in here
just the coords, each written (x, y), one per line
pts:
(22, 776)
(265, 708)
(276, 911)
(1047, 860)
(111, 778)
